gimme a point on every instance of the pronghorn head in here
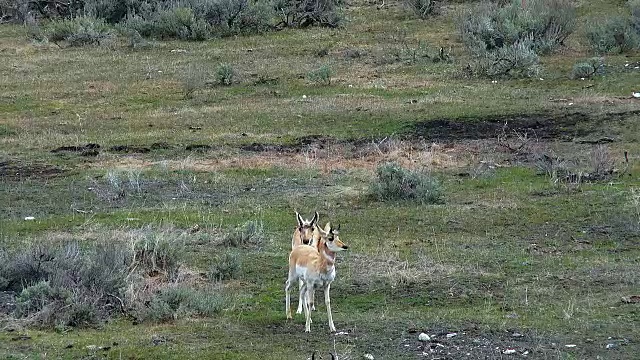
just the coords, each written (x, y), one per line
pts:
(306, 228)
(330, 236)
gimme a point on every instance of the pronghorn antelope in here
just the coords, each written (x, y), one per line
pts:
(315, 267)
(306, 233)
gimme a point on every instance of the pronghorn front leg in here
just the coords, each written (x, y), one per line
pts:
(307, 311)
(327, 302)
(301, 299)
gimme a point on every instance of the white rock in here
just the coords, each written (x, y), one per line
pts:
(29, 218)
(449, 336)
(424, 337)
(635, 94)
(304, 96)
(610, 346)
(368, 356)
(509, 352)
(570, 345)
(91, 347)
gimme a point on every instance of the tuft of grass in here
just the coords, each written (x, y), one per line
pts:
(249, 234)
(321, 75)
(225, 267)
(176, 302)
(394, 182)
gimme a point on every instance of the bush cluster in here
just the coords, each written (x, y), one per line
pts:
(84, 22)
(506, 39)
(394, 182)
(67, 285)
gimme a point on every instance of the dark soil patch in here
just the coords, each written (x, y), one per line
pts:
(86, 150)
(564, 127)
(198, 147)
(130, 149)
(12, 170)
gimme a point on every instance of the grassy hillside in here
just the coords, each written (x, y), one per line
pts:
(532, 248)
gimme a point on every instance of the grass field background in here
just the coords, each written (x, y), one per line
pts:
(511, 258)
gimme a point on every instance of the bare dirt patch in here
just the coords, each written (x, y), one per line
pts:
(563, 127)
(15, 170)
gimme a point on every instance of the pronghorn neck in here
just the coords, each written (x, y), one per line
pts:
(328, 256)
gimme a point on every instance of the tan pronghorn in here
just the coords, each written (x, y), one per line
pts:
(315, 267)
(306, 233)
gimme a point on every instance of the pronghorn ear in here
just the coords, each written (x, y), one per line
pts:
(327, 228)
(315, 218)
(338, 227)
(299, 218)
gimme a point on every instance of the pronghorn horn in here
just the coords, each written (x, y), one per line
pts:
(338, 227)
(333, 357)
(299, 218)
(313, 356)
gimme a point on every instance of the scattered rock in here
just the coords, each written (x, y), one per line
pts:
(570, 346)
(610, 346)
(509, 351)
(29, 218)
(424, 337)
(450, 335)
(368, 356)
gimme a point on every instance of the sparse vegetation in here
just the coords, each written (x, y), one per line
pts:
(396, 183)
(422, 8)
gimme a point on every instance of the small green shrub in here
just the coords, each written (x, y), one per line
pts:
(225, 267)
(613, 35)
(225, 74)
(250, 233)
(79, 31)
(422, 8)
(587, 68)
(321, 75)
(393, 182)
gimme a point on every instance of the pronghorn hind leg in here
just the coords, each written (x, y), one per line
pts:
(287, 291)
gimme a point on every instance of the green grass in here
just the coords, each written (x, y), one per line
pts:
(507, 251)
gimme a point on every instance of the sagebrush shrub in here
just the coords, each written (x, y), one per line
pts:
(321, 75)
(225, 74)
(505, 40)
(394, 182)
(422, 8)
(181, 301)
(613, 35)
(304, 13)
(79, 31)
(587, 68)
(224, 267)
(515, 60)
